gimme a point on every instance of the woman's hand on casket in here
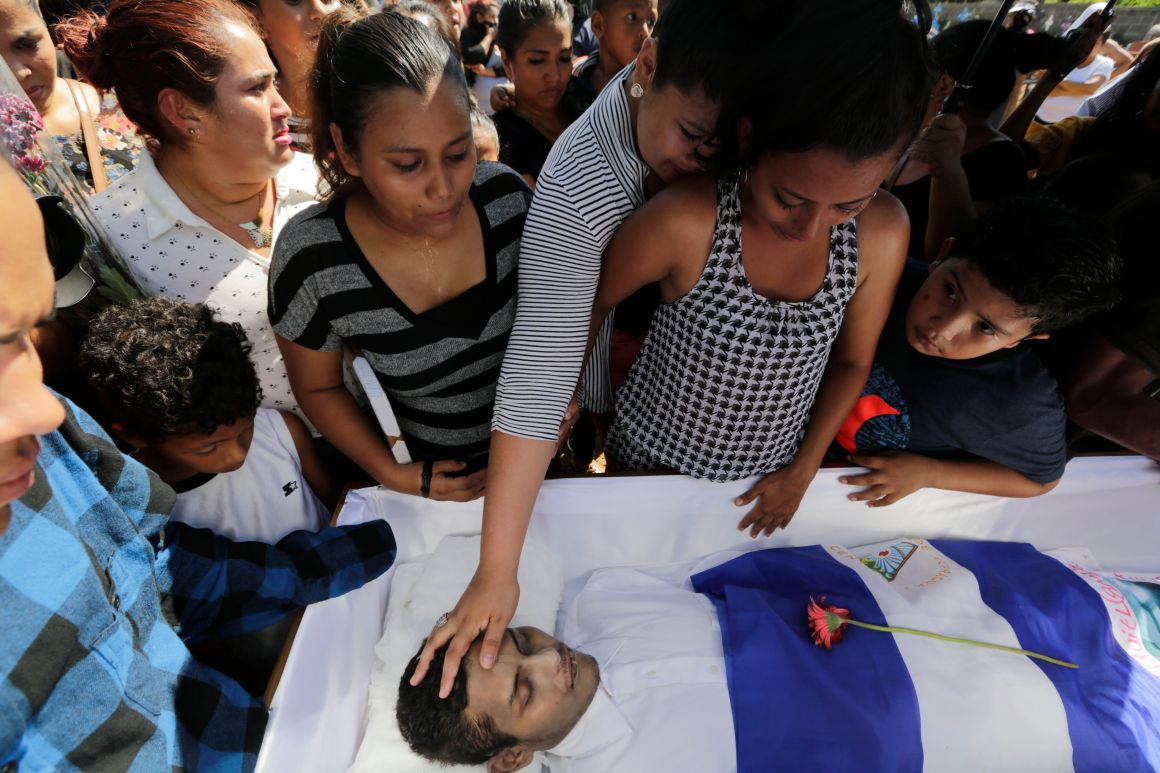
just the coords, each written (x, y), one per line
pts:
(444, 485)
(778, 496)
(892, 475)
(487, 605)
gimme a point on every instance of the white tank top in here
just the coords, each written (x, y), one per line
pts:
(265, 499)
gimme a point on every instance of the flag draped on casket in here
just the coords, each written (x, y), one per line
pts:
(898, 702)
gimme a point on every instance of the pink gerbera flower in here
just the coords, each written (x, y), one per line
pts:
(827, 623)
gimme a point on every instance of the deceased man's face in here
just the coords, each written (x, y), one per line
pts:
(538, 689)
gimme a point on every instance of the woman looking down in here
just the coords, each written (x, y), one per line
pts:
(412, 258)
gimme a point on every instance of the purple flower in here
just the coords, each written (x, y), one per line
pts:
(20, 127)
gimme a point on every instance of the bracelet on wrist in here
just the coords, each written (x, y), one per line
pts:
(425, 480)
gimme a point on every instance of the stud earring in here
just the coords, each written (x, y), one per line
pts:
(636, 91)
(192, 131)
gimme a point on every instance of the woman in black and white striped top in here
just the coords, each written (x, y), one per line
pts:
(652, 124)
(412, 260)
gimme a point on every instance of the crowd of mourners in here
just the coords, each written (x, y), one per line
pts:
(733, 239)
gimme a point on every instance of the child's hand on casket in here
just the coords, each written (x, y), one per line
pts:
(487, 605)
(893, 475)
(778, 496)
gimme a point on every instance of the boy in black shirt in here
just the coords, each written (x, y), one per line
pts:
(620, 28)
(957, 400)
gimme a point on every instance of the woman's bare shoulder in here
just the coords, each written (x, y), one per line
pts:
(883, 231)
(679, 215)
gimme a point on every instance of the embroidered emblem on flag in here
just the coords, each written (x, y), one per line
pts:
(889, 561)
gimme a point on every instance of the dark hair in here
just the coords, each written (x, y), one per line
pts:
(439, 728)
(1057, 264)
(1133, 222)
(358, 5)
(1099, 183)
(141, 48)
(867, 95)
(954, 48)
(605, 5)
(162, 367)
(697, 46)
(358, 59)
(474, 9)
(415, 8)
(1121, 129)
(518, 17)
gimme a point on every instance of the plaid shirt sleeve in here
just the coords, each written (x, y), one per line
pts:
(218, 588)
(93, 674)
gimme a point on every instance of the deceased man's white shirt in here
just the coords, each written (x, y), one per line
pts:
(659, 649)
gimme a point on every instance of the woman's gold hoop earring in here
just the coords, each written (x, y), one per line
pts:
(636, 91)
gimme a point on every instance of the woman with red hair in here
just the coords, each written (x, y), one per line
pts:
(197, 218)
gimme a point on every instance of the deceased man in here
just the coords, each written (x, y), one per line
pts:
(713, 667)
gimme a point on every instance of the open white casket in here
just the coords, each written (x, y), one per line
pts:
(1110, 505)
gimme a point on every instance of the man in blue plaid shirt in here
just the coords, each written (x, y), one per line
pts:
(101, 595)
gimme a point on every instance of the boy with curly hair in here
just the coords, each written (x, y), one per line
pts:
(178, 385)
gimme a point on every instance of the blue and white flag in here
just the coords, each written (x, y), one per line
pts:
(897, 702)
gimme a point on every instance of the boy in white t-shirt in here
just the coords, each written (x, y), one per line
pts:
(178, 385)
(1084, 80)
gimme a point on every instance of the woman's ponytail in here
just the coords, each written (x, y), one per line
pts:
(334, 26)
(82, 38)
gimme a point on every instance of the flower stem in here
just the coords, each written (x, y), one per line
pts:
(940, 637)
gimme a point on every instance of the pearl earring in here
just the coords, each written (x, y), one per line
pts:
(636, 91)
(192, 131)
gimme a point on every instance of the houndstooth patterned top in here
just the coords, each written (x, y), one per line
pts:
(726, 379)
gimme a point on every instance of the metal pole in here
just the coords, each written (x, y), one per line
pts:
(953, 103)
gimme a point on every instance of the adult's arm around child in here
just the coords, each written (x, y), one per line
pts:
(1105, 394)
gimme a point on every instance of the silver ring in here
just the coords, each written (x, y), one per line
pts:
(442, 621)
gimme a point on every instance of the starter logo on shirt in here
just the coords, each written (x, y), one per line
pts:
(290, 488)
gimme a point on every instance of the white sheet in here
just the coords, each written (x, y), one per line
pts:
(1108, 504)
